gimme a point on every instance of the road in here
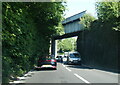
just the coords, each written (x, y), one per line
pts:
(71, 74)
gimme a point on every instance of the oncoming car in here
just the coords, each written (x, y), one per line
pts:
(59, 58)
(73, 58)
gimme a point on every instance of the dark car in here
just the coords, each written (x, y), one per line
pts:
(47, 63)
(59, 58)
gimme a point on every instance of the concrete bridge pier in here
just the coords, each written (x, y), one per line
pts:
(54, 47)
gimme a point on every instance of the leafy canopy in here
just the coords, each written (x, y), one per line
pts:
(27, 30)
(109, 12)
(86, 20)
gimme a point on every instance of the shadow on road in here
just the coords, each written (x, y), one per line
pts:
(45, 69)
(79, 67)
(90, 68)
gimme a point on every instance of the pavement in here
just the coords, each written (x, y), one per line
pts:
(69, 74)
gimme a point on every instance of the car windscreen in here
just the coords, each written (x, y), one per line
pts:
(59, 57)
(74, 55)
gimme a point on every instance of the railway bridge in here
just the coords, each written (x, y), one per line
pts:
(72, 28)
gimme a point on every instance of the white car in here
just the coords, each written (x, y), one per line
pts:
(64, 59)
(73, 58)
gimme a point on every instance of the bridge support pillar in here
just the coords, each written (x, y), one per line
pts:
(54, 47)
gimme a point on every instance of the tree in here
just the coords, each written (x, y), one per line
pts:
(67, 45)
(86, 21)
(109, 12)
(27, 30)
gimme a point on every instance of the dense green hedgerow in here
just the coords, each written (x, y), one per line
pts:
(27, 30)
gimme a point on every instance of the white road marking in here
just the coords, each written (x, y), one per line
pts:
(63, 65)
(68, 69)
(81, 78)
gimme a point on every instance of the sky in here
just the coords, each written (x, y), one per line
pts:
(77, 6)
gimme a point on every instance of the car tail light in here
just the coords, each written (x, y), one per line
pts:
(54, 67)
(53, 60)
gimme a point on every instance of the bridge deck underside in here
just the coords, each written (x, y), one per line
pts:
(68, 35)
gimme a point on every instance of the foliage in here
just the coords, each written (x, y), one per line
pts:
(86, 21)
(66, 45)
(109, 12)
(27, 30)
(102, 42)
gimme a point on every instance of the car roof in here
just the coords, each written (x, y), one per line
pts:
(60, 55)
(73, 52)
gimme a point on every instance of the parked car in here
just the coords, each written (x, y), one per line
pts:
(73, 58)
(59, 58)
(47, 63)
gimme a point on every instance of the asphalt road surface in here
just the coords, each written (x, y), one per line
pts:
(70, 74)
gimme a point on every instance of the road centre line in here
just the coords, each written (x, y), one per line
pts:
(63, 65)
(81, 78)
(68, 69)
(77, 75)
